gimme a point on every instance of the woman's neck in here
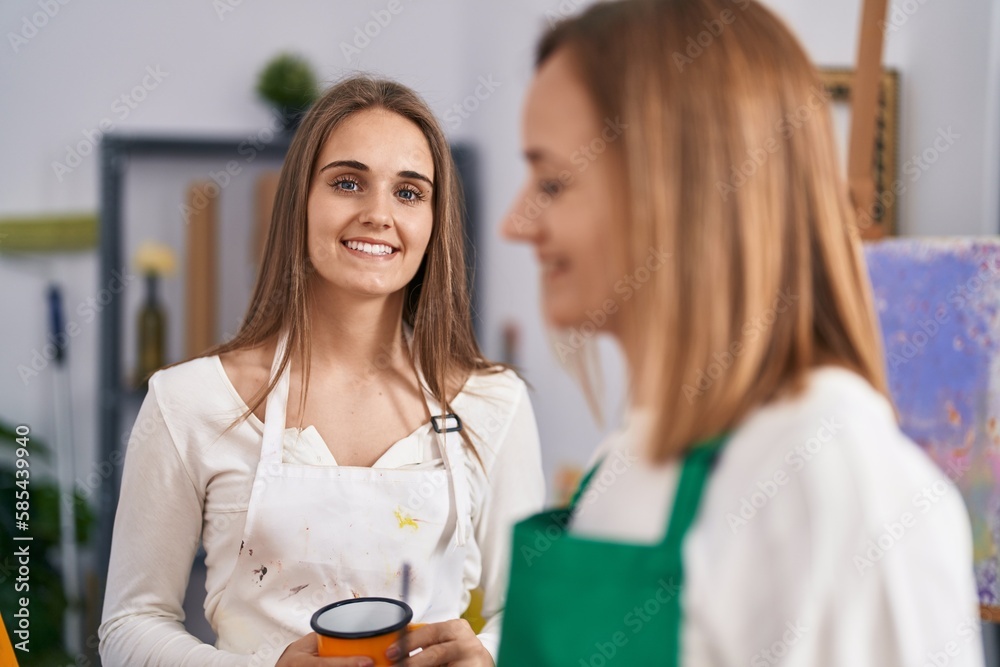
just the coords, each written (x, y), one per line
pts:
(356, 333)
(638, 395)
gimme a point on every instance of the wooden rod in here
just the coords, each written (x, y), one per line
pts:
(267, 188)
(201, 282)
(864, 104)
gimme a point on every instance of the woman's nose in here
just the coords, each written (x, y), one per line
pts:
(521, 222)
(377, 213)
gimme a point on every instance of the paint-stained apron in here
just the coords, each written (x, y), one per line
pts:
(319, 534)
(581, 602)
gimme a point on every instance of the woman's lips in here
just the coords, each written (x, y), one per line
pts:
(360, 252)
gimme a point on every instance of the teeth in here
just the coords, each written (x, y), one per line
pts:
(376, 249)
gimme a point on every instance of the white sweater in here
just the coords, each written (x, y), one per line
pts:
(826, 538)
(182, 481)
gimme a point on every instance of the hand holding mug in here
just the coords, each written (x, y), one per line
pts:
(303, 653)
(451, 643)
(362, 627)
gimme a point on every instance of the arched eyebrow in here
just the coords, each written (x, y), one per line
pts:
(535, 155)
(353, 164)
(361, 166)
(417, 175)
(539, 156)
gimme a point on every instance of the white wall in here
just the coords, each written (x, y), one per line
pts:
(66, 78)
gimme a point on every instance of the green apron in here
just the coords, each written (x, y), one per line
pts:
(580, 602)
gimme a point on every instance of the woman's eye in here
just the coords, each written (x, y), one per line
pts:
(551, 188)
(346, 184)
(410, 195)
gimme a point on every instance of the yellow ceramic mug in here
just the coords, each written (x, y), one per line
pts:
(361, 627)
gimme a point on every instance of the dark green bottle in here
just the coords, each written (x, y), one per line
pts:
(152, 327)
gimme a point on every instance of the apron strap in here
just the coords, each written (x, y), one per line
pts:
(582, 486)
(454, 460)
(698, 464)
(695, 468)
(447, 430)
(274, 417)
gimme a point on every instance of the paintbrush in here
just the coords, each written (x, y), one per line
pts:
(404, 648)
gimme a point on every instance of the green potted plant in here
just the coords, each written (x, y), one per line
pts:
(289, 84)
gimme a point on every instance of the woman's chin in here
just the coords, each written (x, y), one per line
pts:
(577, 323)
(566, 320)
(364, 290)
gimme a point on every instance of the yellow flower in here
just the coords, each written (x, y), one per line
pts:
(153, 257)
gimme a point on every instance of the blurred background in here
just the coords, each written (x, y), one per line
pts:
(123, 123)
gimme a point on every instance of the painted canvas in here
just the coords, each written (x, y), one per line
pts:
(938, 302)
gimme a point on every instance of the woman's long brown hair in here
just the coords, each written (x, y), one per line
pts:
(436, 301)
(729, 164)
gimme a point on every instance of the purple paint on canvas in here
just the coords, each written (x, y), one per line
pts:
(938, 303)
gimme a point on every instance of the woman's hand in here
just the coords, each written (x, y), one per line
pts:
(451, 643)
(303, 653)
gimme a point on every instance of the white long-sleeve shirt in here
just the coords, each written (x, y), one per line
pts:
(825, 538)
(184, 480)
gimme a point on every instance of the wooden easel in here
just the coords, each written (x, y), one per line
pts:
(864, 110)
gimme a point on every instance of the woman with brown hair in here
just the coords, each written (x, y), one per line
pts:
(415, 448)
(760, 505)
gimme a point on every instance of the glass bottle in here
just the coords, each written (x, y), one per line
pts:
(152, 324)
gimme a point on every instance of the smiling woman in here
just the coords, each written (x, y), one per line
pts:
(402, 443)
(738, 515)
(390, 192)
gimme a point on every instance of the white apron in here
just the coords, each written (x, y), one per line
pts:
(319, 534)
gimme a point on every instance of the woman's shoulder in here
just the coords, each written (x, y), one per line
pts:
(836, 417)
(247, 370)
(494, 404)
(821, 511)
(831, 457)
(195, 387)
(185, 377)
(199, 410)
(499, 387)
(838, 427)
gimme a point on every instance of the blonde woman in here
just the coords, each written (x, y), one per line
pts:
(351, 426)
(760, 505)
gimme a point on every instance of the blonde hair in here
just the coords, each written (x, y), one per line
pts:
(436, 301)
(730, 165)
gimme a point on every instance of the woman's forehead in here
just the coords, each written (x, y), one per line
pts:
(380, 139)
(559, 114)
